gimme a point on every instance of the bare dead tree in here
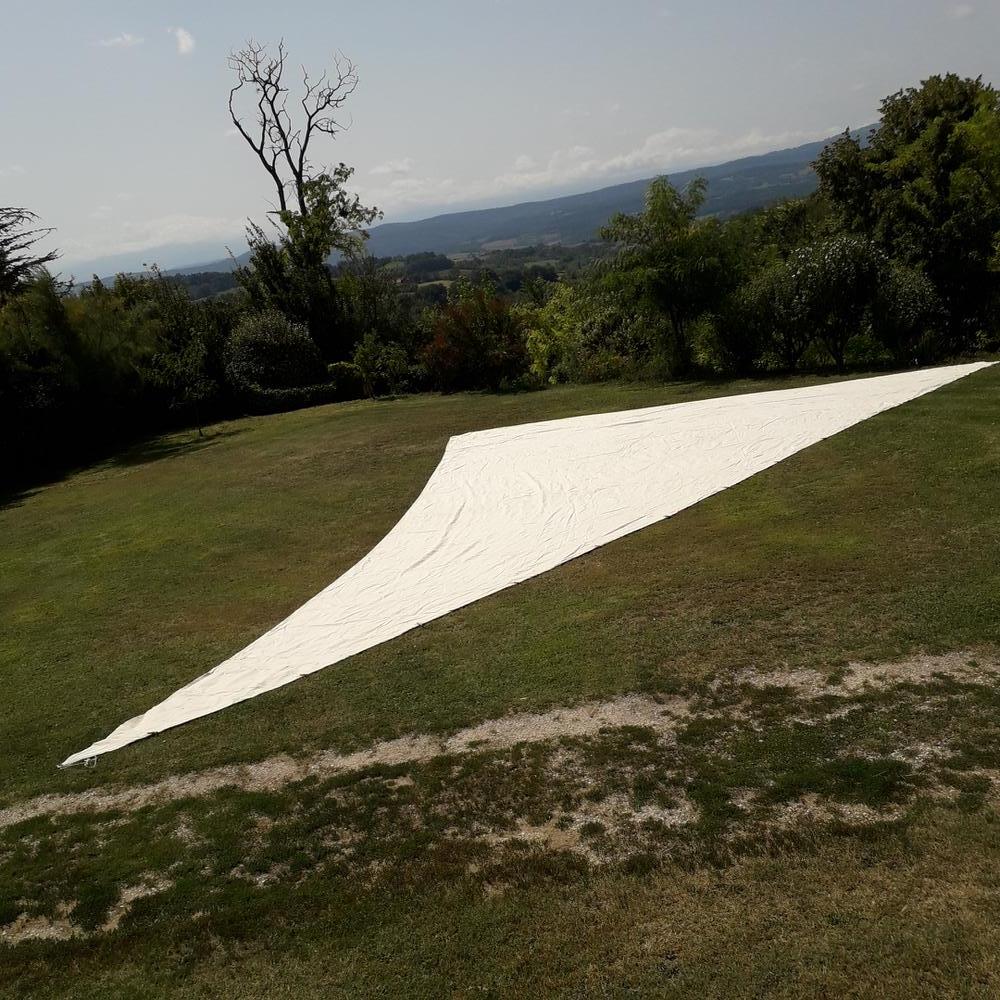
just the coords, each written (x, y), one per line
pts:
(280, 140)
(316, 215)
(18, 237)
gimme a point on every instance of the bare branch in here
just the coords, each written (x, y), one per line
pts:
(280, 143)
(253, 68)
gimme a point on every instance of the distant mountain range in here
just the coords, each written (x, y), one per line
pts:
(733, 187)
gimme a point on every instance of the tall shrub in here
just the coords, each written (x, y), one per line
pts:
(267, 351)
(477, 342)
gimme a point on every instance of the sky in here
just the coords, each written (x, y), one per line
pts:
(116, 129)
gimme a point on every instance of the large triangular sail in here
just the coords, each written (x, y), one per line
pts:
(507, 504)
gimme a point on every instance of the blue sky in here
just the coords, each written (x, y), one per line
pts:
(116, 129)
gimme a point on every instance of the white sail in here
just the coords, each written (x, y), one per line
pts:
(507, 504)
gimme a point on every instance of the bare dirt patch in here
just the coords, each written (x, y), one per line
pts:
(60, 927)
(131, 894)
(37, 928)
(857, 676)
(661, 715)
(276, 772)
(812, 809)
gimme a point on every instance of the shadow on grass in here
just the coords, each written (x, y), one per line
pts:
(157, 448)
(140, 453)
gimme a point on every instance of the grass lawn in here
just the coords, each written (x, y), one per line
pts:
(791, 837)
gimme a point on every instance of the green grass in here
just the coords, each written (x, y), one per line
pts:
(124, 581)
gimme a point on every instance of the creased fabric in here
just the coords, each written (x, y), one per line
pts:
(509, 503)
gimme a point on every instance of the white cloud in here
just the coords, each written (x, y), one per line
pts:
(960, 11)
(670, 150)
(422, 190)
(140, 235)
(123, 40)
(178, 228)
(392, 168)
(12, 170)
(184, 39)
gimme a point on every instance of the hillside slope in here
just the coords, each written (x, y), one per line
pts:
(750, 750)
(733, 187)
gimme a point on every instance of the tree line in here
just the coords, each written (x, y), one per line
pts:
(893, 262)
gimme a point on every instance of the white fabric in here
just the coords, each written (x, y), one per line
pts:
(510, 503)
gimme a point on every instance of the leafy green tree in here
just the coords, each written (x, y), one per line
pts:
(926, 189)
(554, 334)
(111, 340)
(182, 362)
(72, 372)
(822, 292)
(837, 280)
(291, 273)
(426, 266)
(374, 302)
(906, 315)
(738, 333)
(774, 232)
(779, 313)
(731, 335)
(675, 264)
(181, 375)
(19, 261)
(38, 357)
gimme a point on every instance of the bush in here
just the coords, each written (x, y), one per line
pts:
(592, 335)
(281, 400)
(554, 338)
(730, 341)
(773, 298)
(39, 378)
(478, 343)
(76, 371)
(347, 380)
(374, 304)
(384, 367)
(836, 279)
(268, 352)
(906, 315)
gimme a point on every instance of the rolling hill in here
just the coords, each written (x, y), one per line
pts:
(733, 187)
